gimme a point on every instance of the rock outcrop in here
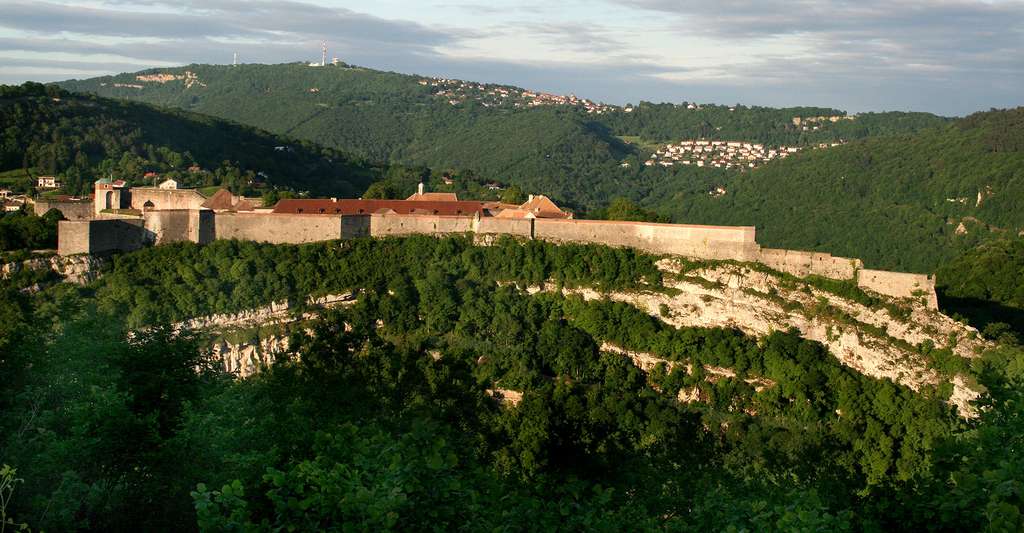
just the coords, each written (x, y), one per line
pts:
(79, 269)
(871, 340)
(247, 357)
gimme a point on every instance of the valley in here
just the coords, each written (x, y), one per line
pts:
(568, 323)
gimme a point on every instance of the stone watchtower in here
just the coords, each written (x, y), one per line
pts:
(110, 194)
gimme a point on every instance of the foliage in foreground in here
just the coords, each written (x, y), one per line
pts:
(388, 425)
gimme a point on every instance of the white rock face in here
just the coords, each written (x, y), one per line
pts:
(275, 313)
(867, 340)
(246, 358)
(870, 341)
(646, 362)
(79, 269)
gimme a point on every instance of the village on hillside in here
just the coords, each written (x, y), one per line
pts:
(459, 91)
(721, 154)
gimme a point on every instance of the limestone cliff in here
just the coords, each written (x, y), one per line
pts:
(880, 341)
(274, 313)
(80, 269)
(245, 358)
(875, 341)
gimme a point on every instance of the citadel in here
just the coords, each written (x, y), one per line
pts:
(122, 218)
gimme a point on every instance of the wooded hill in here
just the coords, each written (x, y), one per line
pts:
(382, 416)
(905, 202)
(559, 150)
(895, 195)
(81, 137)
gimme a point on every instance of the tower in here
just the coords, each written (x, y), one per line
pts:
(323, 53)
(234, 62)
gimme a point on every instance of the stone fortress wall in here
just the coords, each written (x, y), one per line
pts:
(695, 241)
(704, 242)
(100, 236)
(160, 199)
(71, 210)
(899, 283)
(801, 263)
(277, 228)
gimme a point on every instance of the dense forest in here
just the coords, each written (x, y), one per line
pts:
(902, 202)
(558, 150)
(907, 192)
(383, 419)
(986, 286)
(79, 138)
(446, 395)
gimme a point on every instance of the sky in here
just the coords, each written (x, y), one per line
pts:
(951, 57)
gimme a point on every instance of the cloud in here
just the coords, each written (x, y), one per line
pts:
(950, 56)
(918, 36)
(221, 19)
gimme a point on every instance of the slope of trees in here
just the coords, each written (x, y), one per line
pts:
(80, 138)
(906, 203)
(383, 421)
(895, 196)
(986, 286)
(560, 151)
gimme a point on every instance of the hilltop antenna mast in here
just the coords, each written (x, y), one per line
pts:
(323, 53)
(234, 62)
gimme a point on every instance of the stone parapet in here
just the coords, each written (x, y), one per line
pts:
(695, 241)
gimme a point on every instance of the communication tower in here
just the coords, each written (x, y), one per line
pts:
(323, 53)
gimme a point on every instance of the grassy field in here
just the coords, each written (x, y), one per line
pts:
(641, 143)
(20, 176)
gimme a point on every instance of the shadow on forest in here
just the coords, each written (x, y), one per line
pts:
(981, 313)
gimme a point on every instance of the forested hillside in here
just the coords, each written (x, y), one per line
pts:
(902, 194)
(80, 137)
(986, 286)
(383, 418)
(905, 202)
(557, 149)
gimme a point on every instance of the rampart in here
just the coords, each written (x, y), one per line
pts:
(705, 242)
(70, 210)
(383, 225)
(695, 241)
(175, 225)
(152, 198)
(900, 285)
(800, 263)
(277, 228)
(99, 236)
(519, 227)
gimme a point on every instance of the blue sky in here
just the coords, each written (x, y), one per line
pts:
(951, 57)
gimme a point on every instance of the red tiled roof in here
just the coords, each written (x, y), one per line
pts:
(224, 200)
(542, 207)
(433, 197)
(365, 207)
(514, 213)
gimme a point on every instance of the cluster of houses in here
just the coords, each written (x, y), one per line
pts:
(12, 201)
(189, 78)
(458, 91)
(811, 123)
(721, 154)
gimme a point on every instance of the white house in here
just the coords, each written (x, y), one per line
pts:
(168, 184)
(47, 182)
